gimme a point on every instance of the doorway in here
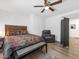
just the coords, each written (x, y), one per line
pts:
(74, 32)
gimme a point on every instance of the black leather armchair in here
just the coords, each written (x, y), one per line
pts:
(47, 36)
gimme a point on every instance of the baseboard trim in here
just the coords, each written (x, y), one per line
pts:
(75, 37)
(57, 41)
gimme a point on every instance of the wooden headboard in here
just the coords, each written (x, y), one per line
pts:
(15, 28)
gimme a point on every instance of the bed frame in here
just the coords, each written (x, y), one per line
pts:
(15, 28)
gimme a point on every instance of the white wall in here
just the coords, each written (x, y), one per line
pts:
(54, 24)
(34, 23)
(74, 32)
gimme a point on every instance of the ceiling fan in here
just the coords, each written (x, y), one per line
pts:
(48, 5)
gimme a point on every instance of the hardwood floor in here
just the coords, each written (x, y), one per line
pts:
(66, 53)
(1, 54)
(55, 49)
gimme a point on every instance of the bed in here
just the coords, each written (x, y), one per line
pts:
(17, 40)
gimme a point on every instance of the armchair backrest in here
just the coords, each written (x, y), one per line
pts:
(46, 32)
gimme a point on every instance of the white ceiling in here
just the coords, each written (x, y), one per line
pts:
(26, 7)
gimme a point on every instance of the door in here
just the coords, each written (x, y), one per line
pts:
(65, 32)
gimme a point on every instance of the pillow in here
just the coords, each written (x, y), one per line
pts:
(24, 33)
(12, 33)
(17, 33)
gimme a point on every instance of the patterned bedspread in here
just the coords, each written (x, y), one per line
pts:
(16, 42)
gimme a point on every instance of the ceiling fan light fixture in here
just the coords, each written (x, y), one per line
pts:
(46, 7)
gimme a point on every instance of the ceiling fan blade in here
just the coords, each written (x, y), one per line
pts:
(51, 9)
(57, 2)
(45, 2)
(39, 6)
(42, 10)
